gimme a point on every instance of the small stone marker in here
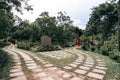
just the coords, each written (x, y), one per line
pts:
(45, 41)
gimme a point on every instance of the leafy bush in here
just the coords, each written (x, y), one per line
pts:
(4, 58)
(57, 47)
(24, 45)
(3, 44)
(36, 48)
(50, 48)
(104, 51)
(92, 48)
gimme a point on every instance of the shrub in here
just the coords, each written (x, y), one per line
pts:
(112, 55)
(4, 58)
(24, 45)
(104, 51)
(57, 47)
(3, 44)
(92, 48)
(50, 48)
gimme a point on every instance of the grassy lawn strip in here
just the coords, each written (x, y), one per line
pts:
(58, 62)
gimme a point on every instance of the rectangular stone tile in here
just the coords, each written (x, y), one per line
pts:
(32, 67)
(17, 74)
(31, 64)
(73, 65)
(95, 75)
(60, 72)
(19, 78)
(79, 71)
(67, 67)
(98, 67)
(88, 65)
(66, 75)
(15, 67)
(52, 68)
(38, 70)
(48, 78)
(76, 78)
(16, 70)
(48, 65)
(77, 63)
(99, 71)
(84, 67)
(42, 74)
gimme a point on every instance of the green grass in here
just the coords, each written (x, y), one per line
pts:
(4, 70)
(113, 71)
(113, 68)
(58, 62)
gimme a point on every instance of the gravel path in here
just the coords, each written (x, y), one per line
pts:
(27, 67)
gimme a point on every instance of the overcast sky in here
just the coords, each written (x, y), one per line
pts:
(78, 10)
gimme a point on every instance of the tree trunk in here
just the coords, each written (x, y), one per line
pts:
(119, 24)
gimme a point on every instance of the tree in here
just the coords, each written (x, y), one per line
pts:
(119, 23)
(6, 24)
(8, 5)
(103, 20)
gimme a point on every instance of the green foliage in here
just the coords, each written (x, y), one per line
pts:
(60, 29)
(104, 19)
(5, 64)
(6, 24)
(4, 58)
(3, 44)
(24, 45)
(50, 48)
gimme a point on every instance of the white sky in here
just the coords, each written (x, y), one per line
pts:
(78, 10)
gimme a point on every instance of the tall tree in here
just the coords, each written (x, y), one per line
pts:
(103, 20)
(119, 23)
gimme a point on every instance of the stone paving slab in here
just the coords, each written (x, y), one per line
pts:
(19, 78)
(73, 65)
(42, 74)
(52, 68)
(48, 65)
(76, 78)
(77, 63)
(98, 67)
(68, 67)
(37, 70)
(31, 64)
(60, 72)
(48, 78)
(66, 75)
(15, 70)
(95, 75)
(79, 71)
(32, 67)
(17, 74)
(15, 67)
(99, 71)
(84, 67)
(88, 65)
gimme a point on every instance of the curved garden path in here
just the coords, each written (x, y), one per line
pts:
(28, 66)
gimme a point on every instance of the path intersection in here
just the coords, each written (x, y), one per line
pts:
(31, 67)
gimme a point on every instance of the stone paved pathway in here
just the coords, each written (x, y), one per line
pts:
(86, 66)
